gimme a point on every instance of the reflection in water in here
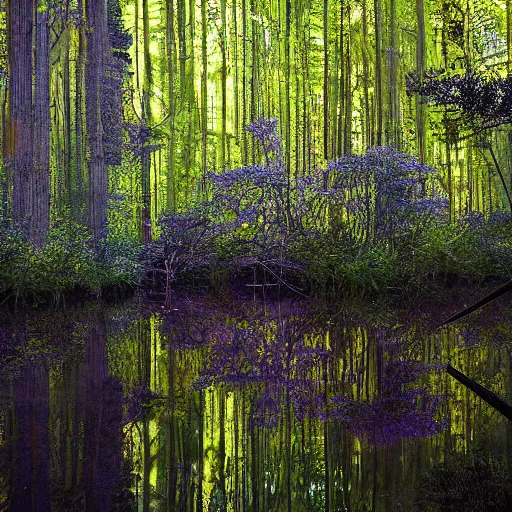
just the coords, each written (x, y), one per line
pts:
(30, 449)
(103, 434)
(266, 408)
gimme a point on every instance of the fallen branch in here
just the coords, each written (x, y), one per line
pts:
(495, 401)
(482, 302)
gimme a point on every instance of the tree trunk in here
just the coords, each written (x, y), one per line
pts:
(368, 131)
(20, 107)
(326, 79)
(39, 214)
(170, 35)
(98, 52)
(204, 95)
(378, 72)
(393, 131)
(223, 84)
(78, 203)
(147, 120)
(420, 71)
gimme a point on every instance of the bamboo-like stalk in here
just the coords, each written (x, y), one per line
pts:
(378, 72)
(347, 145)
(420, 71)
(326, 78)
(494, 400)
(223, 84)
(204, 95)
(170, 38)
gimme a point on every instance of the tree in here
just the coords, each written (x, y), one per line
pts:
(477, 104)
(29, 112)
(98, 53)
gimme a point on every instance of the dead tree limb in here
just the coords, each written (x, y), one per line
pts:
(495, 401)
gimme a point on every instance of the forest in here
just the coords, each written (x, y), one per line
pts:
(338, 148)
(255, 255)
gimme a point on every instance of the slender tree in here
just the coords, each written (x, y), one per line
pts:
(147, 121)
(98, 52)
(378, 72)
(39, 212)
(420, 70)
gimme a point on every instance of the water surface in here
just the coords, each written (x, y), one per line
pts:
(247, 407)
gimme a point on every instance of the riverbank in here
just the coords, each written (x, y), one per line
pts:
(475, 252)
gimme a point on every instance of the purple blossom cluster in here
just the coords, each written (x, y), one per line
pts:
(140, 399)
(473, 220)
(397, 412)
(185, 243)
(257, 195)
(477, 102)
(265, 130)
(138, 137)
(62, 12)
(258, 211)
(499, 218)
(491, 239)
(281, 369)
(389, 418)
(257, 175)
(385, 192)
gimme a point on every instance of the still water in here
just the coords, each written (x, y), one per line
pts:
(251, 407)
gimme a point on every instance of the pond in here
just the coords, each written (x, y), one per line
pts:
(251, 406)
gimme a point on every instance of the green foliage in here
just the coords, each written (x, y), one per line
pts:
(477, 249)
(472, 251)
(339, 269)
(67, 262)
(120, 261)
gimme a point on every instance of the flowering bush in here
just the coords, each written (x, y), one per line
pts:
(382, 194)
(398, 411)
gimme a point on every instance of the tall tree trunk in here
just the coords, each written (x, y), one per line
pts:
(254, 102)
(348, 89)
(78, 203)
(191, 120)
(326, 78)
(368, 131)
(244, 82)
(393, 130)
(40, 204)
(420, 71)
(204, 95)
(147, 120)
(98, 52)
(66, 101)
(223, 84)
(20, 106)
(509, 37)
(378, 71)
(288, 119)
(171, 66)
(341, 87)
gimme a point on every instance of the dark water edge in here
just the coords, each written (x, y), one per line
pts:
(252, 406)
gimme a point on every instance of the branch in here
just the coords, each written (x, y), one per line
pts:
(489, 298)
(495, 401)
